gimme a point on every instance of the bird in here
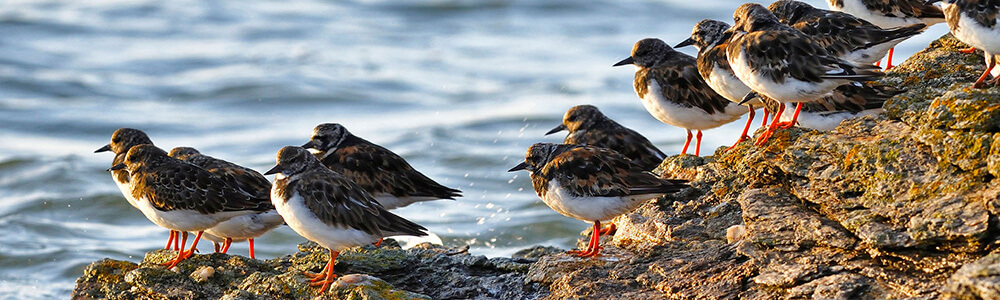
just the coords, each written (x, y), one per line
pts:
(588, 126)
(975, 23)
(847, 101)
(711, 38)
(382, 173)
(122, 140)
(329, 209)
(591, 184)
(245, 227)
(181, 196)
(890, 13)
(844, 35)
(784, 64)
(672, 90)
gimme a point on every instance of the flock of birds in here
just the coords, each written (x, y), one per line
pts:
(337, 188)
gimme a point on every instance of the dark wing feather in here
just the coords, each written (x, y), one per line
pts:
(244, 178)
(380, 171)
(596, 172)
(626, 141)
(179, 185)
(339, 202)
(680, 81)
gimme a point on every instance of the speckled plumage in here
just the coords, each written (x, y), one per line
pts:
(591, 184)
(588, 126)
(975, 23)
(890, 13)
(672, 90)
(122, 140)
(247, 227)
(842, 34)
(783, 63)
(329, 209)
(381, 172)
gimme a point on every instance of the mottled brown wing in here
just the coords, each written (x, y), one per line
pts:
(380, 171)
(596, 172)
(984, 12)
(339, 202)
(777, 53)
(625, 141)
(905, 8)
(839, 34)
(179, 185)
(714, 56)
(680, 81)
(244, 178)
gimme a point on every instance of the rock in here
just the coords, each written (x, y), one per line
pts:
(423, 272)
(900, 205)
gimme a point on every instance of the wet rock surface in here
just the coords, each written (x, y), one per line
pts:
(900, 205)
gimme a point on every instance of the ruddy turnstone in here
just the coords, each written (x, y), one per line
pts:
(180, 196)
(329, 209)
(847, 101)
(241, 228)
(591, 184)
(785, 64)
(673, 92)
(588, 126)
(711, 39)
(844, 35)
(975, 23)
(382, 173)
(890, 13)
(122, 140)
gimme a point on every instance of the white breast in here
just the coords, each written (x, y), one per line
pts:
(590, 208)
(791, 90)
(305, 223)
(824, 121)
(970, 32)
(184, 219)
(729, 86)
(668, 111)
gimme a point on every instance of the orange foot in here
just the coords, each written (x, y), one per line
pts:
(742, 138)
(609, 230)
(181, 256)
(969, 50)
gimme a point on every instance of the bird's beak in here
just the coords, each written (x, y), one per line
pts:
(557, 129)
(685, 43)
(626, 61)
(106, 148)
(116, 167)
(275, 170)
(309, 145)
(518, 167)
(748, 97)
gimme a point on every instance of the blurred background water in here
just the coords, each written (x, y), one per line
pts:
(459, 88)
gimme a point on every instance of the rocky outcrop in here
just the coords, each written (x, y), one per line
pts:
(904, 204)
(423, 272)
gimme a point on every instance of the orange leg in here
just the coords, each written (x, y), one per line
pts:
(251, 248)
(594, 249)
(173, 236)
(216, 246)
(743, 136)
(177, 246)
(697, 145)
(795, 118)
(609, 230)
(329, 276)
(182, 255)
(969, 50)
(379, 243)
(979, 83)
(226, 244)
(686, 143)
(888, 63)
(763, 122)
(770, 129)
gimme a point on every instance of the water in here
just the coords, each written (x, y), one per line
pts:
(459, 88)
